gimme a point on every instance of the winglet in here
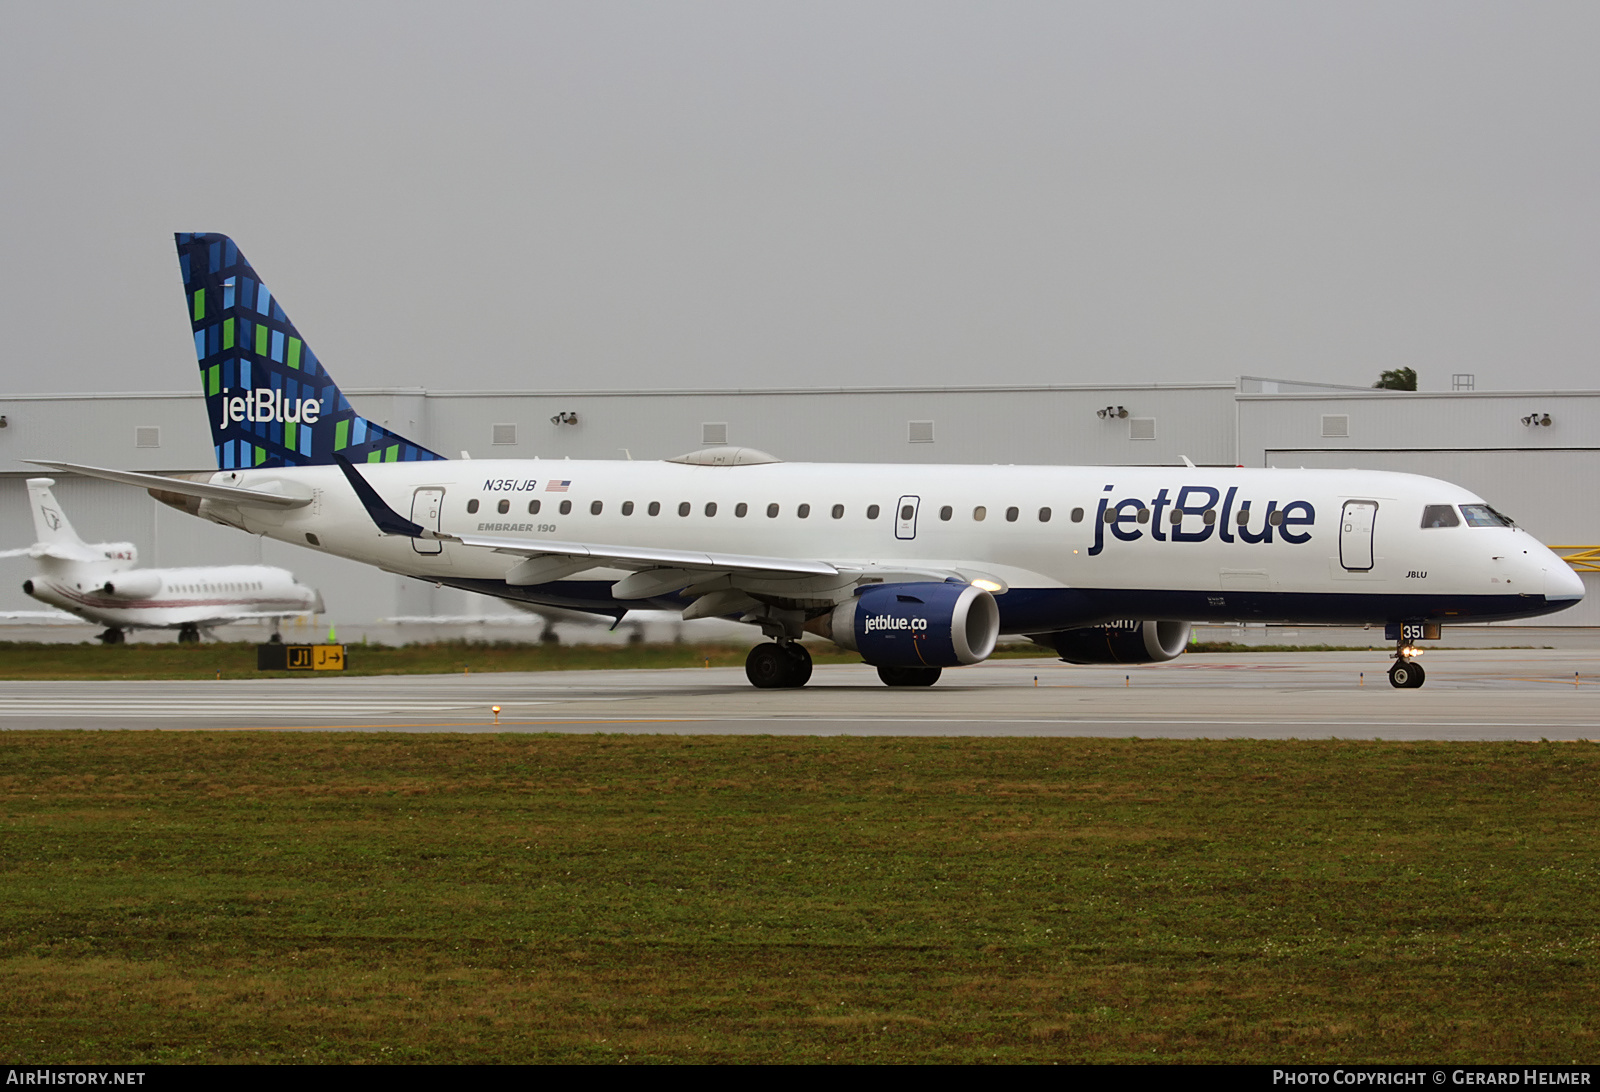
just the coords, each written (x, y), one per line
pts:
(388, 520)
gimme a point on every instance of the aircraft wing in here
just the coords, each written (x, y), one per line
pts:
(228, 494)
(628, 556)
(247, 614)
(225, 619)
(56, 617)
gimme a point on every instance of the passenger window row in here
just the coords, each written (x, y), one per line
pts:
(803, 511)
(1433, 515)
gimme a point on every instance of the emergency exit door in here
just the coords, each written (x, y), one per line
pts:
(905, 517)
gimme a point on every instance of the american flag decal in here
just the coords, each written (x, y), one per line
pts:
(557, 487)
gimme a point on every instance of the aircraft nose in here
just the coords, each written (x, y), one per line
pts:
(1561, 583)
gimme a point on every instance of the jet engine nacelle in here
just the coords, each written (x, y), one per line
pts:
(134, 585)
(917, 625)
(1125, 642)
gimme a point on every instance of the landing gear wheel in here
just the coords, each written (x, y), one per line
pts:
(113, 636)
(778, 667)
(188, 635)
(1406, 676)
(909, 676)
(799, 663)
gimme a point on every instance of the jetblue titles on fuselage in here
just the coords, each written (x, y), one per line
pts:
(1167, 517)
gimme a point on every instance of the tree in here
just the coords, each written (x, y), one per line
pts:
(1400, 379)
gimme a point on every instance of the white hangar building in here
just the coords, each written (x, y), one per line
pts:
(1526, 452)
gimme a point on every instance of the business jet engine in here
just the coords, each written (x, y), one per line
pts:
(134, 585)
(915, 625)
(1120, 642)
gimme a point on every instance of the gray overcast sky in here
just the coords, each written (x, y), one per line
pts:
(615, 195)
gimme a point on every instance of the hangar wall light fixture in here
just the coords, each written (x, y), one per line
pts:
(564, 419)
(1111, 413)
(1537, 419)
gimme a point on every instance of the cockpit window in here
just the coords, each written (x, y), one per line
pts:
(1481, 515)
(1440, 515)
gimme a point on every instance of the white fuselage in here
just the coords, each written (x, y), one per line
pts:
(169, 598)
(1350, 547)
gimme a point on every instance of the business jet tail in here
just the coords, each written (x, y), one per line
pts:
(53, 532)
(50, 524)
(270, 400)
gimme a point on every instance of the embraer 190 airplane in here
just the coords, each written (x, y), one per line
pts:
(917, 568)
(100, 583)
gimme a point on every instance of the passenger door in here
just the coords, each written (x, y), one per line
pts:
(1356, 527)
(426, 505)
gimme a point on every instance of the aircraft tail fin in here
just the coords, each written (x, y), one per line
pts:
(270, 400)
(50, 524)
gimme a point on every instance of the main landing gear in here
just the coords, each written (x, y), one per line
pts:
(775, 666)
(112, 636)
(1406, 674)
(189, 635)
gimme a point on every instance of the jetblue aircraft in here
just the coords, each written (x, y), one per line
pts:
(100, 583)
(917, 568)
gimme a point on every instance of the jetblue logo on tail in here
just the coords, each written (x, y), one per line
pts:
(270, 401)
(268, 405)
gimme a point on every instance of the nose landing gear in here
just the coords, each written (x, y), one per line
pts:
(1406, 674)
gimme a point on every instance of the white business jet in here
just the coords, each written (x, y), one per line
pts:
(917, 568)
(100, 583)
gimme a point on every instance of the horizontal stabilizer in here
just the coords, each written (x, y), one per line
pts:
(227, 494)
(60, 551)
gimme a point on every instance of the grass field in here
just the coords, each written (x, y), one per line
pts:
(341, 898)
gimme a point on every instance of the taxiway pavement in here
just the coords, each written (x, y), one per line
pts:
(1516, 694)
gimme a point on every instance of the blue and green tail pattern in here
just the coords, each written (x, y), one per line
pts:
(270, 400)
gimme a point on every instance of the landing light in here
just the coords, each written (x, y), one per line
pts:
(1411, 652)
(990, 586)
